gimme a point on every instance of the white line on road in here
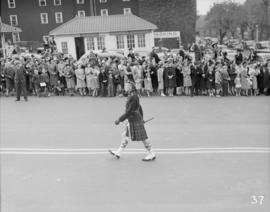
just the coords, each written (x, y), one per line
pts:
(131, 152)
(132, 149)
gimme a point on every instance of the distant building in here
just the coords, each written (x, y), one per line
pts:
(37, 18)
(113, 32)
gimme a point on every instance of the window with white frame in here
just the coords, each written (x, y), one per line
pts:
(80, 1)
(57, 2)
(13, 20)
(16, 37)
(130, 41)
(59, 17)
(42, 3)
(141, 40)
(90, 43)
(104, 12)
(100, 42)
(103, 1)
(120, 43)
(44, 18)
(127, 10)
(64, 47)
(81, 13)
(11, 4)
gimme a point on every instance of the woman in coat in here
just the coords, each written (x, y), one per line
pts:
(171, 76)
(52, 69)
(179, 80)
(160, 79)
(210, 77)
(69, 77)
(187, 78)
(253, 73)
(244, 79)
(89, 73)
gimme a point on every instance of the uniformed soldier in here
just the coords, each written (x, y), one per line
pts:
(135, 130)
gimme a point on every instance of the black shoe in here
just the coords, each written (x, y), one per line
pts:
(26, 100)
(17, 100)
(117, 156)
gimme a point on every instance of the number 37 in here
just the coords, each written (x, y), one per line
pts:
(257, 200)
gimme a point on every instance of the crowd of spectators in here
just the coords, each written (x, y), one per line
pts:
(170, 75)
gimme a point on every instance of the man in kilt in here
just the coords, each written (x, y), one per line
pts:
(135, 130)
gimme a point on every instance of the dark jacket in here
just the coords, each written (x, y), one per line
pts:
(134, 112)
(171, 77)
(266, 79)
(103, 78)
(19, 74)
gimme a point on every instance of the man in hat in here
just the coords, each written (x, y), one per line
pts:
(20, 81)
(135, 130)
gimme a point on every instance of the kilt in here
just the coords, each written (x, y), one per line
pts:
(137, 131)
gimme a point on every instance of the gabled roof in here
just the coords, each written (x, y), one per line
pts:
(8, 28)
(103, 24)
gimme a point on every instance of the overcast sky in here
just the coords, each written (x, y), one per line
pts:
(203, 6)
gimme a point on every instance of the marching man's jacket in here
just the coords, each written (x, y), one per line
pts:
(134, 112)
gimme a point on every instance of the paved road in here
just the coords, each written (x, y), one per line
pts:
(64, 165)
